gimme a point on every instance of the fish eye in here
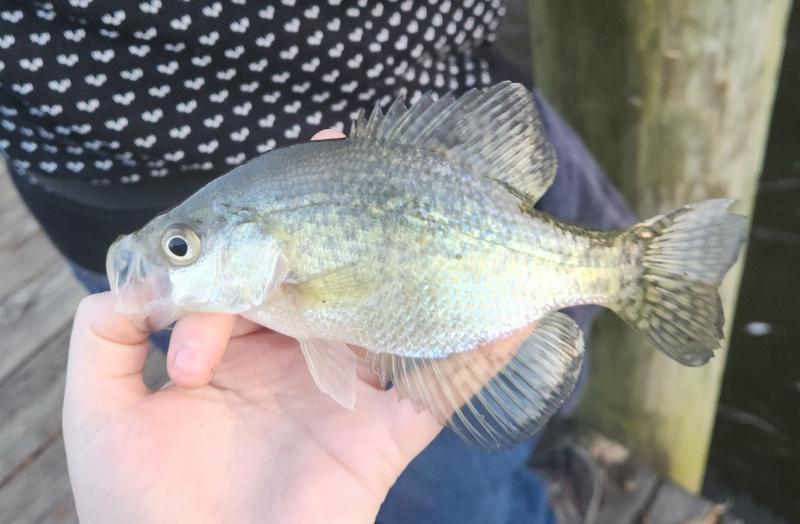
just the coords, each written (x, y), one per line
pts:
(181, 245)
(178, 246)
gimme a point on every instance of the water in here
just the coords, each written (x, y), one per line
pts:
(755, 451)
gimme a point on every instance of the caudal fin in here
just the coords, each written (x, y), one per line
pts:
(674, 301)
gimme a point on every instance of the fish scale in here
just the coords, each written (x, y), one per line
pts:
(417, 240)
(492, 257)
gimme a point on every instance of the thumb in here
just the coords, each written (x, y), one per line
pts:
(106, 356)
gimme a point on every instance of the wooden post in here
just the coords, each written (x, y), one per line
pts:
(673, 97)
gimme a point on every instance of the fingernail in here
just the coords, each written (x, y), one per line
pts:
(190, 361)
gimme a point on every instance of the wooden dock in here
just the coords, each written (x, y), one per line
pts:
(593, 479)
(38, 297)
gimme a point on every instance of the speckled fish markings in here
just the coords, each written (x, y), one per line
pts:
(416, 239)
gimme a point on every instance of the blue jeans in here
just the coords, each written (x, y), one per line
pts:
(450, 482)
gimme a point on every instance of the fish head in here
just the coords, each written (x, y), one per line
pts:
(184, 261)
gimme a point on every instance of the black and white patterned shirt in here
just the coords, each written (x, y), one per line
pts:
(111, 112)
(125, 91)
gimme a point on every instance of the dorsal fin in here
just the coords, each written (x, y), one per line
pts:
(494, 133)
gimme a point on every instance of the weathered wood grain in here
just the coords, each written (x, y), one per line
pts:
(25, 251)
(625, 500)
(16, 224)
(38, 296)
(22, 263)
(673, 504)
(41, 492)
(593, 479)
(31, 405)
(34, 313)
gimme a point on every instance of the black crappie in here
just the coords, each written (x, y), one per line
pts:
(416, 239)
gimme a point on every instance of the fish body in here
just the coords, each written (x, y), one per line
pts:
(431, 260)
(417, 240)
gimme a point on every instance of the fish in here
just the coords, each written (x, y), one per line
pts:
(416, 239)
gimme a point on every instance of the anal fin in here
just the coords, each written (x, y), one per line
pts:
(333, 367)
(498, 395)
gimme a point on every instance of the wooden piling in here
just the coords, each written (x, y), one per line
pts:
(673, 97)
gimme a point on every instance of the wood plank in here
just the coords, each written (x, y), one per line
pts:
(16, 224)
(38, 295)
(33, 314)
(31, 405)
(20, 264)
(624, 500)
(41, 493)
(593, 479)
(673, 504)
(25, 251)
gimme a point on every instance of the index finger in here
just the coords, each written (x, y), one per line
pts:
(197, 346)
(328, 134)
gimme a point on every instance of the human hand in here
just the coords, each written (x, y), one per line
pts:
(256, 441)
(248, 437)
(244, 438)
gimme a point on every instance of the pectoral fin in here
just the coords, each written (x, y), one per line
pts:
(345, 285)
(498, 395)
(333, 367)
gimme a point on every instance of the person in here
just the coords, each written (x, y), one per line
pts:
(111, 114)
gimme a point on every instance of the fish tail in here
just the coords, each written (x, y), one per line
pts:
(682, 256)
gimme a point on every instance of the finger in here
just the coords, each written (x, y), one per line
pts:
(328, 134)
(196, 347)
(245, 327)
(106, 356)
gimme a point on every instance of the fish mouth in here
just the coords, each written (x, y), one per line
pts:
(140, 287)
